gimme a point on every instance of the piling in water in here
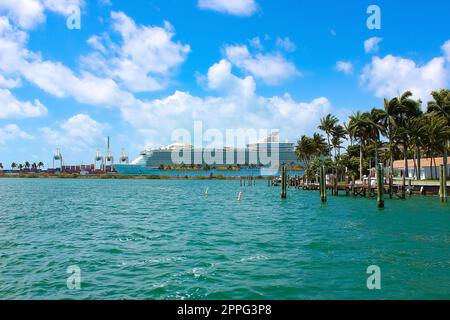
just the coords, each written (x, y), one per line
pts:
(320, 183)
(283, 182)
(443, 184)
(353, 185)
(391, 186)
(380, 186)
(323, 185)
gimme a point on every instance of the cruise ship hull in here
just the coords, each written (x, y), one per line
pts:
(130, 169)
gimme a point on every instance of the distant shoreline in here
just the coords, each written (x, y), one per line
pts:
(124, 177)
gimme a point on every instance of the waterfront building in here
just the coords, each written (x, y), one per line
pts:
(429, 168)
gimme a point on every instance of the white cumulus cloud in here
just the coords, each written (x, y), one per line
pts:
(233, 7)
(286, 44)
(391, 76)
(11, 107)
(344, 67)
(271, 68)
(60, 81)
(16, 63)
(221, 79)
(13, 132)
(233, 101)
(77, 133)
(29, 13)
(446, 49)
(237, 106)
(372, 45)
(145, 59)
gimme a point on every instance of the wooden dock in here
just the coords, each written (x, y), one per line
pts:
(355, 189)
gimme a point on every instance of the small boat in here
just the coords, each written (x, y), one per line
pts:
(276, 181)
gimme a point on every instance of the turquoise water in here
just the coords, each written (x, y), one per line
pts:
(144, 239)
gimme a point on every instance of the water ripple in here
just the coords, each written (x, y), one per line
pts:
(143, 239)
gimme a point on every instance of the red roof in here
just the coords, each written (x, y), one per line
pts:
(424, 162)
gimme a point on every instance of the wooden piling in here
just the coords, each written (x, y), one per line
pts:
(323, 185)
(283, 183)
(391, 186)
(380, 186)
(443, 184)
(320, 183)
(353, 185)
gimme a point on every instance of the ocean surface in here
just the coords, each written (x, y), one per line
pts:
(148, 239)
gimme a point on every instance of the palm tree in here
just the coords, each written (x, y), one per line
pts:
(417, 134)
(13, 166)
(389, 122)
(20, 167)
(27, 165)
(357, 128)
(407, 109)
(441, 106)
(1, 166)
(398, 111)
(327, 125)
(40, 165)
(436, 131)
(305, 148)
(347, 131)
(309, 148)
(374, 128)
(320, 147)
(338, 135)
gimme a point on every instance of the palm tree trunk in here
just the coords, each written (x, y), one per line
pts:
(329, 145)
(361, 169)
(446, 157)
(406, 170)
(391, 159)
(376, 155)
(419, 169)
(415, 163)
(430, 156)
(405, 159)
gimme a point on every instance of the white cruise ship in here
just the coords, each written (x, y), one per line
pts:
(252, 156)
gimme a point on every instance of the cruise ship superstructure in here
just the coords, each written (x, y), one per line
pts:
(265, 153)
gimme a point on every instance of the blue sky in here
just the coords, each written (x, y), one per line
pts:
(138, 70)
